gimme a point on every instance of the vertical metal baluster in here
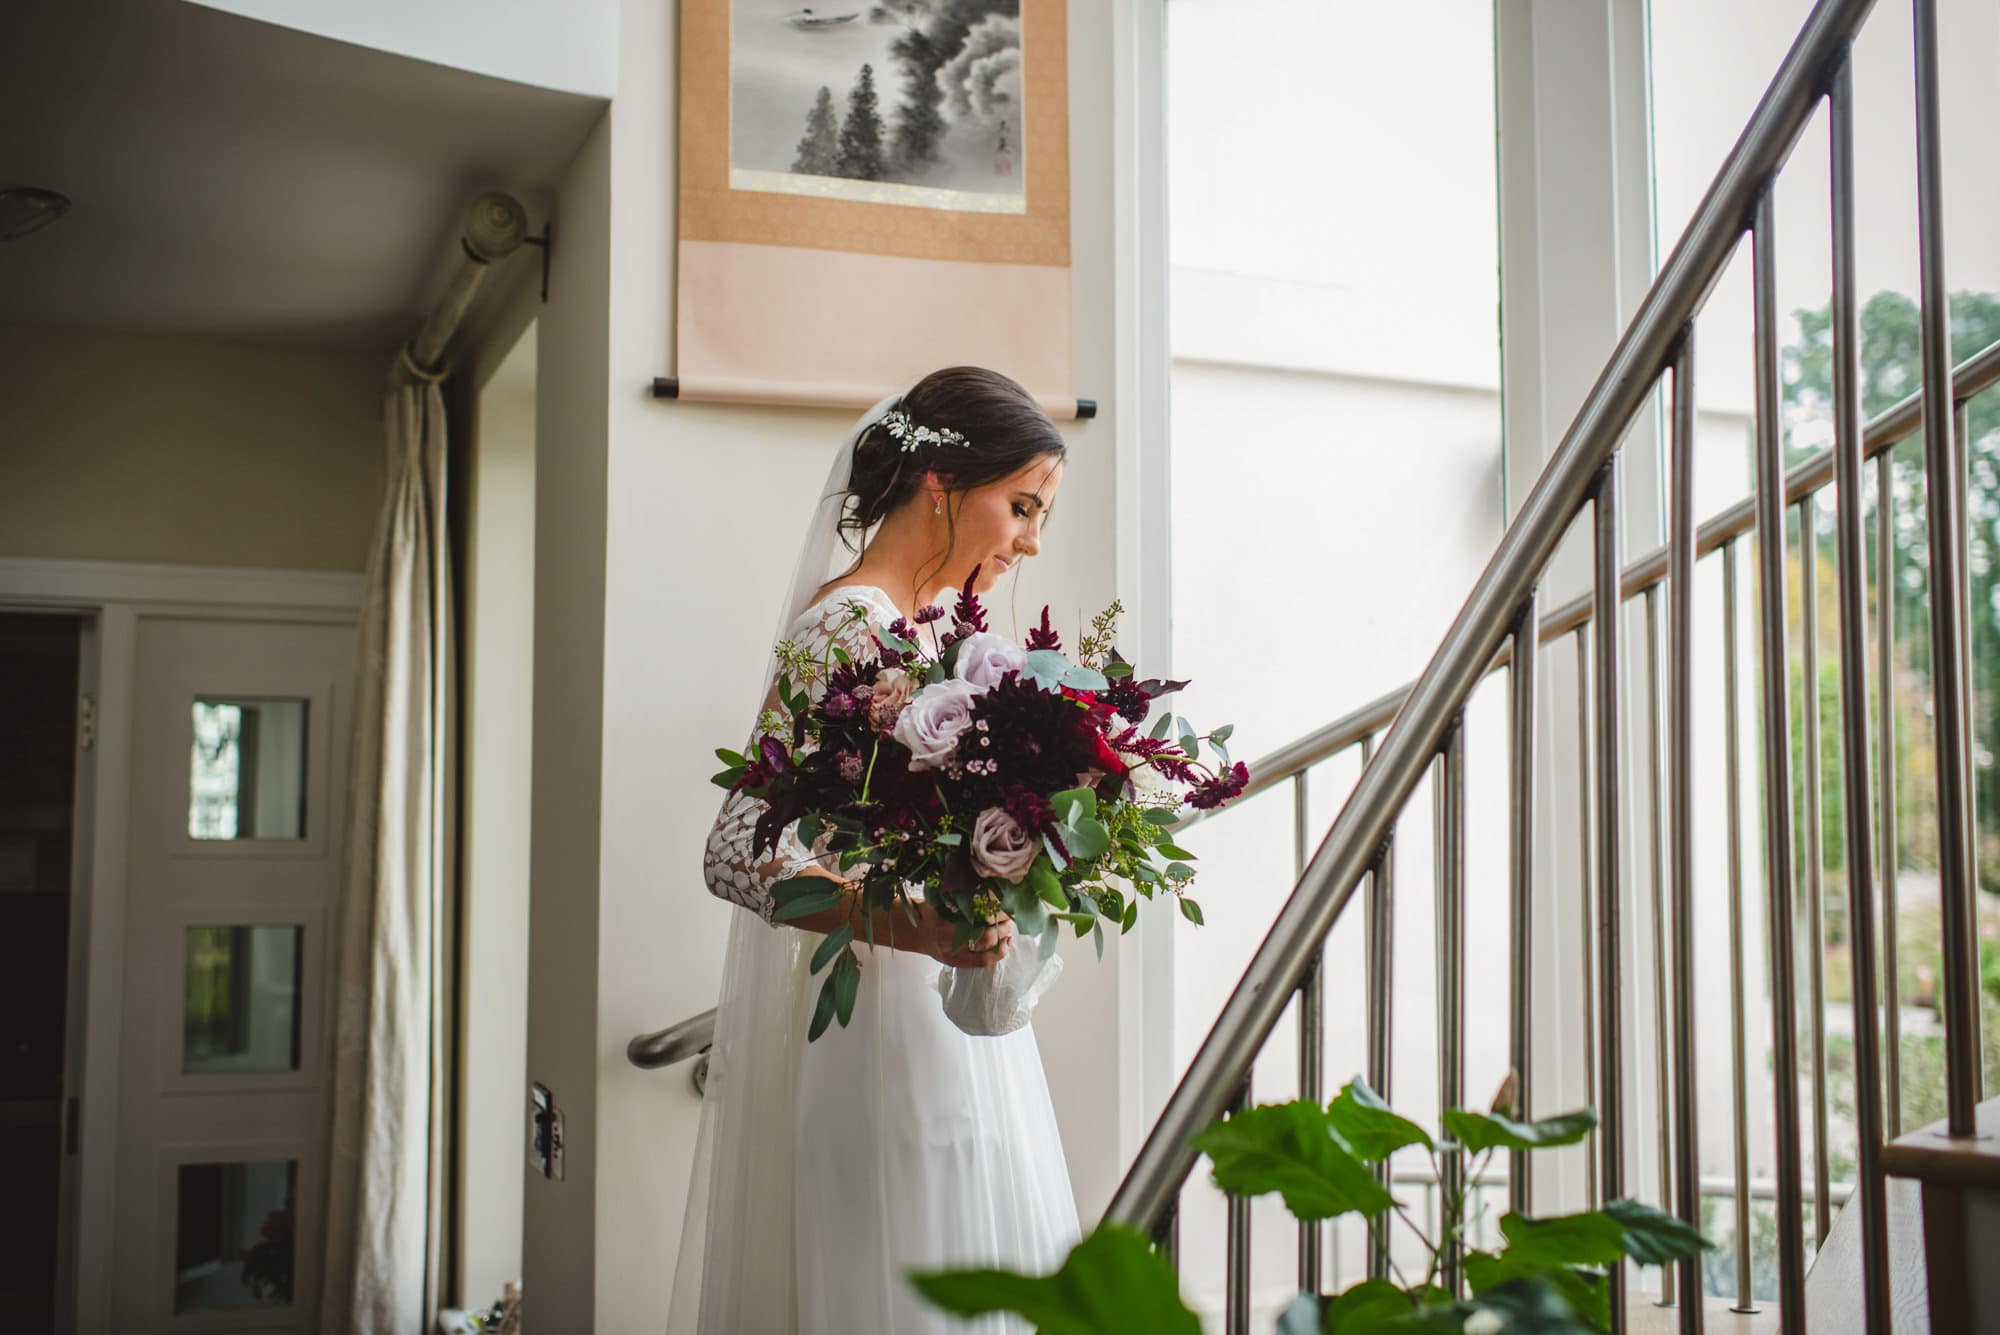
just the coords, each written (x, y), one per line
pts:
(1776, 684)
(1962, 429)
(1662, 1042)
(1587, 943)
(1605, 613)
(1813, 871)
(1885, 781)
(1732, 729)
(1686, 1196)
(1236, 1301)
(1311, 1023)
(1854, 710)
(1521, 886)
(1960, 997)
(1450, 791)
(1381, 957)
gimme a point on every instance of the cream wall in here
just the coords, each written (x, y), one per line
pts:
(664, 531)
(118, 447)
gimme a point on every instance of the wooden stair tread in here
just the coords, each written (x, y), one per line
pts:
(1932, 1155)
(1833, 1284)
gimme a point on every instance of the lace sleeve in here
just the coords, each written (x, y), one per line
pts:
(730, 867)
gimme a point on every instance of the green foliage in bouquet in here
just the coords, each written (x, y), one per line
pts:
(1550, 1275)
(999, 778)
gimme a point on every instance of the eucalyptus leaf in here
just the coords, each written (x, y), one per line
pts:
(846, 984)
(1097, 938)
(1042, 879)
(1161, 728)
(1046, 668)
(805, 906)
(1084, 679)
(1112, 1283)
(1290, 1148)
(1223, 733)
(1051, 937)
(1084, 797)
(1087, 839)
(822, 1010)
(836, 940)
(1056, 858)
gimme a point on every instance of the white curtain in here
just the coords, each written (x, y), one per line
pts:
(385, 1170)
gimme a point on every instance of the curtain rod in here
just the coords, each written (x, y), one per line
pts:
(495, 227)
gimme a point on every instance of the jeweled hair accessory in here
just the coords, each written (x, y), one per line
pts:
(902, 429)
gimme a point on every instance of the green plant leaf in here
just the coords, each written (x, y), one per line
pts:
(1654, 1237)
(1117, 669)
(1161, 728)
(1479, 1132)
(1290, 1148)
(1368, 1125)
(729, 757)
(1585, 1291)
(725, 778)
(1591, 1237)
(1162, 816)
(1526, 1306)
(835, 941)
(1191, 911)
(1051, 938)
(1097, 938)
(1371, 1304)
(1056, 858)
(1174, 851)
(1112, 1282)
(1223, 733)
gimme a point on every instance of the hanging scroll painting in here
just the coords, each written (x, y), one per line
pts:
(869, 191)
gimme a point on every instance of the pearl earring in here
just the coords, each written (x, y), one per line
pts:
(938, 509)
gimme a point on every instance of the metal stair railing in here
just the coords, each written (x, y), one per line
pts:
(1500, 624)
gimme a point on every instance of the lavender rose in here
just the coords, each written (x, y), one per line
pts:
(984, 658)
(931, 723)
(1001, 849)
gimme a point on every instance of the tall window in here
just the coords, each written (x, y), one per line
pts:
(1336, 436)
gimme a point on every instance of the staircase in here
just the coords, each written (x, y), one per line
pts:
(1866, 1274)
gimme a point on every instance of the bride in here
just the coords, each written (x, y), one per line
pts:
(826, 1172)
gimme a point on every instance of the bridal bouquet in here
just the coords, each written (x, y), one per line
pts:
(999, 778)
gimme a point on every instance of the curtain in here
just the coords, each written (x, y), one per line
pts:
(386, 1163)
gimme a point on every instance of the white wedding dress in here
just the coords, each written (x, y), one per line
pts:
(913, 1145)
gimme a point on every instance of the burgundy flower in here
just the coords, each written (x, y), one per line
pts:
(1214, 792)
(1044, 636)
(838, 704)
(969, 611)
(851, 766)
(1128, 699)
(928, 613)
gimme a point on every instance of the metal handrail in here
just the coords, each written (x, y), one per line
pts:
(1583, 471)
(1808, 477)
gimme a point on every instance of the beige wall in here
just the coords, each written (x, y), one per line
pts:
(119, 447)
(664, 532)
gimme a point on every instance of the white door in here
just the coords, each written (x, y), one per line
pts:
(238, 777)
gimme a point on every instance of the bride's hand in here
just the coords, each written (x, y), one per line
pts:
(982, 952)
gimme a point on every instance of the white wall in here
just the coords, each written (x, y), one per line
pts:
(664, 531)
(118, 447)
(568, 45)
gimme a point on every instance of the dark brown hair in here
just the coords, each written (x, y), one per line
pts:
(1004, 428)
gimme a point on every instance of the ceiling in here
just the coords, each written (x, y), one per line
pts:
(233, 178)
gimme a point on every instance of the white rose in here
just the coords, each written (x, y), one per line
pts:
(931, 722)
(1001, 849)
(984, 658)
